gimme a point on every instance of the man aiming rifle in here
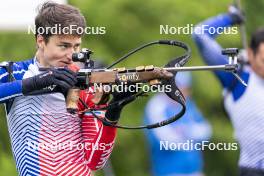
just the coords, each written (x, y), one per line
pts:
(45, 138)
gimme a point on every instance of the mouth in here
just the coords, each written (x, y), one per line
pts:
(66, 62)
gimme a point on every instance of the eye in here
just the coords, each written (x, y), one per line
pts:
(63, 46)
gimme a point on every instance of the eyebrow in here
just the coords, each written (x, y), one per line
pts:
(69, 44)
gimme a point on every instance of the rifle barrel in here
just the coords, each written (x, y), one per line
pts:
(232, 67)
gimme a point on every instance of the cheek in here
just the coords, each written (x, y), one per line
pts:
(54, 54)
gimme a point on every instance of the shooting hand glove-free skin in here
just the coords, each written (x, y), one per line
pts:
(54, 80)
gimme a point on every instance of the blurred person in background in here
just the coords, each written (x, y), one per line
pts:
(245, 105)
(192, 127)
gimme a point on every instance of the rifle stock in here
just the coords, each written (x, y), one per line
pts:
(90, 77)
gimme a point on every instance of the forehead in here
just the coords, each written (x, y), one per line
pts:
(72, 39)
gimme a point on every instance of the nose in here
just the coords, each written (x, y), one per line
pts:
(69, 53)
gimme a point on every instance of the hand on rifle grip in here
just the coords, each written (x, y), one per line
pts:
(73, 94)
(161, 74)
(51, 81)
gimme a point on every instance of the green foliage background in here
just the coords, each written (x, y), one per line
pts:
(129, 24)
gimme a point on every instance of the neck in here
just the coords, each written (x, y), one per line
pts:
(40, 59)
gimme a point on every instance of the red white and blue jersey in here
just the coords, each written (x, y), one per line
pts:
(45, 139)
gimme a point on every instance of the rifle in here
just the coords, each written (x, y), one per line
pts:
(89, 76)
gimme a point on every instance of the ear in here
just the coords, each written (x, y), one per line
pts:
(40, 42)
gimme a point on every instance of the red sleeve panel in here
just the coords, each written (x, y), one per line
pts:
(98, 138)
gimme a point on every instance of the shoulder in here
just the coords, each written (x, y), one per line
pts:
(24, 64)
(21, 67)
